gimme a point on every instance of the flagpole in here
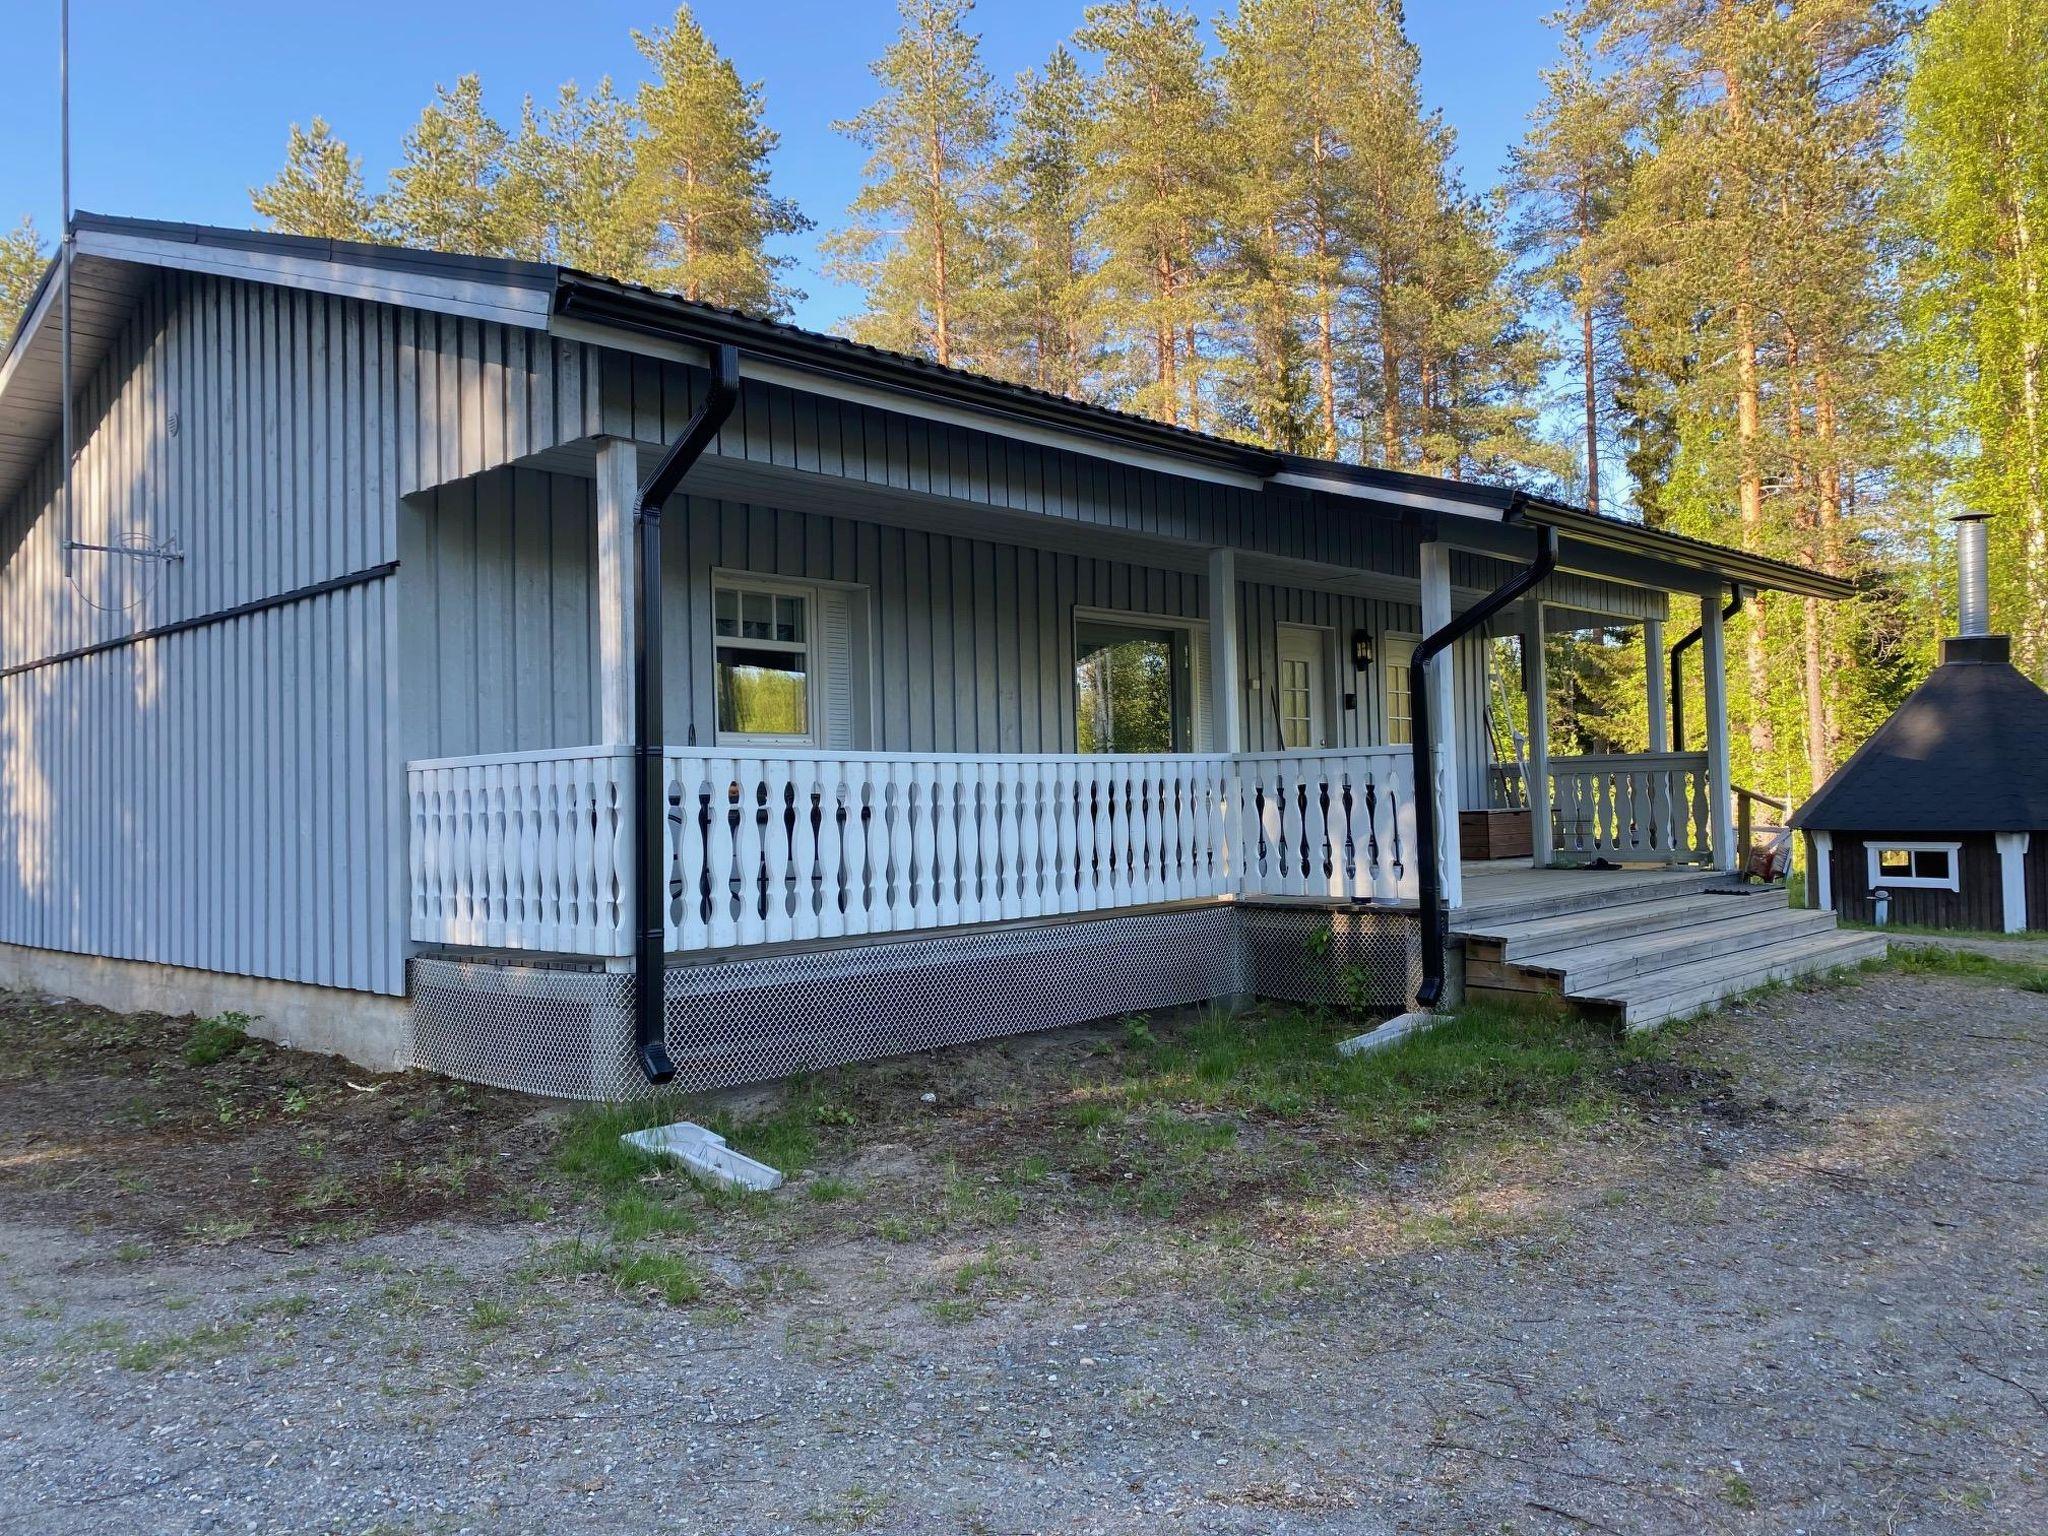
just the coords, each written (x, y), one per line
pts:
(64, 258)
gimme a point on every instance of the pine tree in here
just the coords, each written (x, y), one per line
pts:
(1974, 202)
(921, 246)
(319, 191)
(21, 268)
(1745, 231)
(1045, 324)
(1290, 77)
(1403, 153)
(445, 193)
(565, 194)
(1154, 187)
(702, 178)
(1567, 177)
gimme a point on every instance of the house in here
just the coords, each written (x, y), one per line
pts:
(332, 689)
(1940, 819)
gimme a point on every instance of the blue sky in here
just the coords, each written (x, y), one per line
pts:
(177, 111)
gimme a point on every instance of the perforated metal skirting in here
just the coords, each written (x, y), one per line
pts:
(567, 1032)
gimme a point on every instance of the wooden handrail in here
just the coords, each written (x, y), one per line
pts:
(1784, 807)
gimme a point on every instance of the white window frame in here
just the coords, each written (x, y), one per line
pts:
(1881, 881)
(1197, 631)
(745, 581)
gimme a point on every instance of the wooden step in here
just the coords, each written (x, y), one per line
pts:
(1585, 969)
(1657, 996)
(1526, 940)
(1583, 891)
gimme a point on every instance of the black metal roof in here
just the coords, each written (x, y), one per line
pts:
(1966, 752)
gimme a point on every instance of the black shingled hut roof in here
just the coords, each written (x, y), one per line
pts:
(1966, 752)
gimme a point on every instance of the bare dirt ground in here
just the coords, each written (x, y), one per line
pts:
(1782, 1270)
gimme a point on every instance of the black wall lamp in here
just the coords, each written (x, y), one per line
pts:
(1361, 650)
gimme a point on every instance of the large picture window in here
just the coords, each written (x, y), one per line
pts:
(762, 633)
(1132, 686)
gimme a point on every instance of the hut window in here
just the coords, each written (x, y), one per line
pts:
(1923, 866)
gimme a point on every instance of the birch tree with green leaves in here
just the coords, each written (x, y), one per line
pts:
(1972, 204)
(921, 246)
(320, 189)
(22, 260)
(700, 186)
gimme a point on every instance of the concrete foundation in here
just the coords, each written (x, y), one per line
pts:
(371, 1030)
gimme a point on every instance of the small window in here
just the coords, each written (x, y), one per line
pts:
(1131, 687)
(762, 635)
(1923, 866)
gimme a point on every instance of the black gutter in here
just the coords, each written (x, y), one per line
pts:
(1429, 879)
(650, 842)
(1678, 677)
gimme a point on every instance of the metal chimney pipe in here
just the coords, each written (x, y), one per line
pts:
(1973, 601)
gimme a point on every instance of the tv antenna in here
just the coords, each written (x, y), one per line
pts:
(131, 546)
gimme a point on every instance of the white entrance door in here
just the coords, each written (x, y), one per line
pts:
(1304, 689)
(1397, 689)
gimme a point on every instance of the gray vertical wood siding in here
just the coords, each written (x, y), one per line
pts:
(970, 640)
(229, 797)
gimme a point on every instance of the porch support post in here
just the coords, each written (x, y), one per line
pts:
(1820, 895)
(1437, 677)
(618, 484)
(1536, 686)
(1720, 799)
(1659, 735)
(2012, 878)
(1226, 689)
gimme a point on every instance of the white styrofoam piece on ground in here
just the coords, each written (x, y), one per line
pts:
(1398, 1028)
(705, 1153)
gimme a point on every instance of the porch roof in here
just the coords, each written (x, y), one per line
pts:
(112, 252)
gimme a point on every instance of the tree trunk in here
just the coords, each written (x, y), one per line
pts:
(1828, 507)
(1592, 408)
(1762, 738)
(2033, 628)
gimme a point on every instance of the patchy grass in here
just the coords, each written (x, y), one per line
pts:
(1924, 960)
(214, 1040)
(210, 1342)
(1921, 931)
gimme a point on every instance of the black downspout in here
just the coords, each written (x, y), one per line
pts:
(1429, 881)
(650, 844)
(1678, 677)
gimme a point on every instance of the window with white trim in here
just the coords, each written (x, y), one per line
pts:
(1914, 866)
(762, 652)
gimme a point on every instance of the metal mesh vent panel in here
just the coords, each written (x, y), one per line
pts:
(1284, 959)
(568, 1033)
(564, 1033)
(748, 1020)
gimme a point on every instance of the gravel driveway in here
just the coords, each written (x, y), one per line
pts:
(1815, 1304)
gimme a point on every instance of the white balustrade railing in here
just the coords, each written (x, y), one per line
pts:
(528, 850)
(1634, 806)
(523, 851)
